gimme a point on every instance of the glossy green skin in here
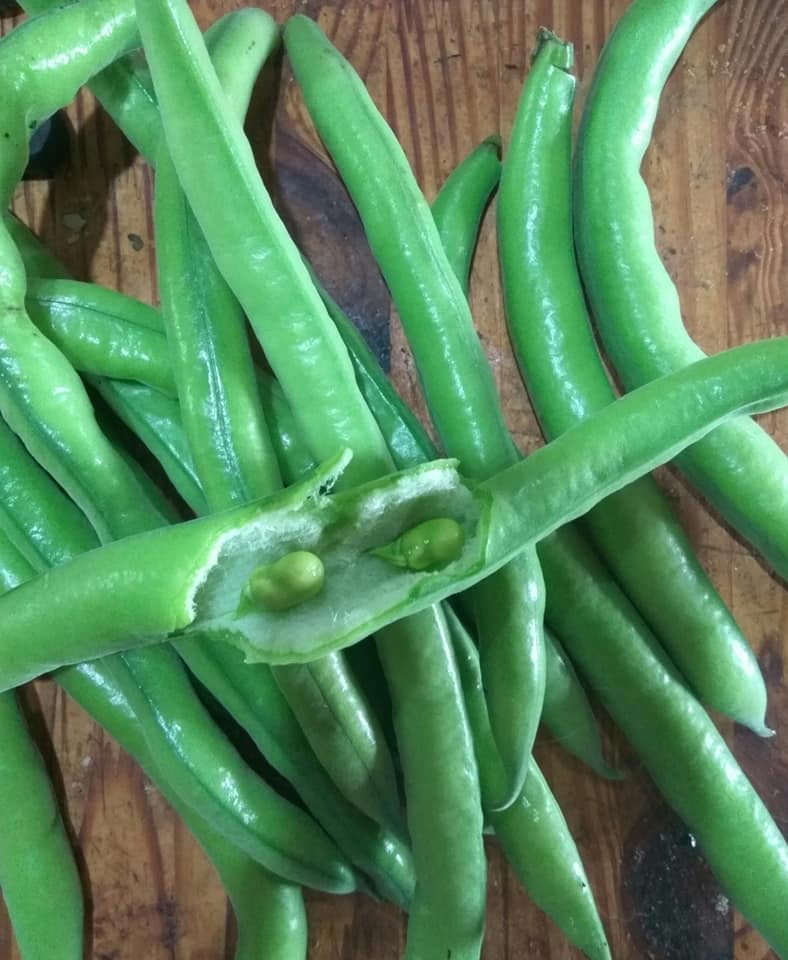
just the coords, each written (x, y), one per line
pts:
(381, 855)
(248, 693)
(449, 903)
(155, 419)
(99, 334)
(229, 442)
(210, 777)
(253, 698)
(125, 91)
(292, 454)
(275, 833)
(206, 329)
(270, 914)
(567, 712)
(156, 672)
(38, 261)
(460, 204)
(28, 510)
(252, 249)
(523, 504)
(682, 750)
(36, 861)
(457, 213)
(532, 831)
(635, 531)
(146, 411)
(311, 363)
(345, 734)
(739, 468)
(406, 245)
(210, 352)
(456, 378)
(44, 62)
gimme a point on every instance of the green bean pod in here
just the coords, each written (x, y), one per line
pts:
(124, 90)
(682, 751)
(410, 256)
(28, 510)
(249, 694)
(739, 468)
(189, 576)
(275, 833)
(38, 261)
(270, 913)
(154, 417)
(36, 859)
(406, 439)
(341, 412)
(567, 712)
(253, 698)
(456, 378)
(532, 831)
(150, 414)
(254, 252)
(102, 332)
(635, 531)
(441, 785)
(31, 506)
(228, 438)
(220, 406)
(210, 776)
(292, 454)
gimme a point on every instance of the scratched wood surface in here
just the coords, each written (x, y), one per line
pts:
(447, 73)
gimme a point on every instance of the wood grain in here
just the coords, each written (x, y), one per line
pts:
(446, 73)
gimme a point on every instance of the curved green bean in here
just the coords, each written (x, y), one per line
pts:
(739, 468)
(635, 531)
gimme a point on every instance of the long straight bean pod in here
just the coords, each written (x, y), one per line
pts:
(455, 375)
(252, 249)
(450, 867)
(228, 438)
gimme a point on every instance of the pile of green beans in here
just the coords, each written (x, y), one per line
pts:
(388, 627)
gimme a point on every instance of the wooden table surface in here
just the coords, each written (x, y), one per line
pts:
(446, 73)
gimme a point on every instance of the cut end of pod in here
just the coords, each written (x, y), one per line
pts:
(559, 52)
